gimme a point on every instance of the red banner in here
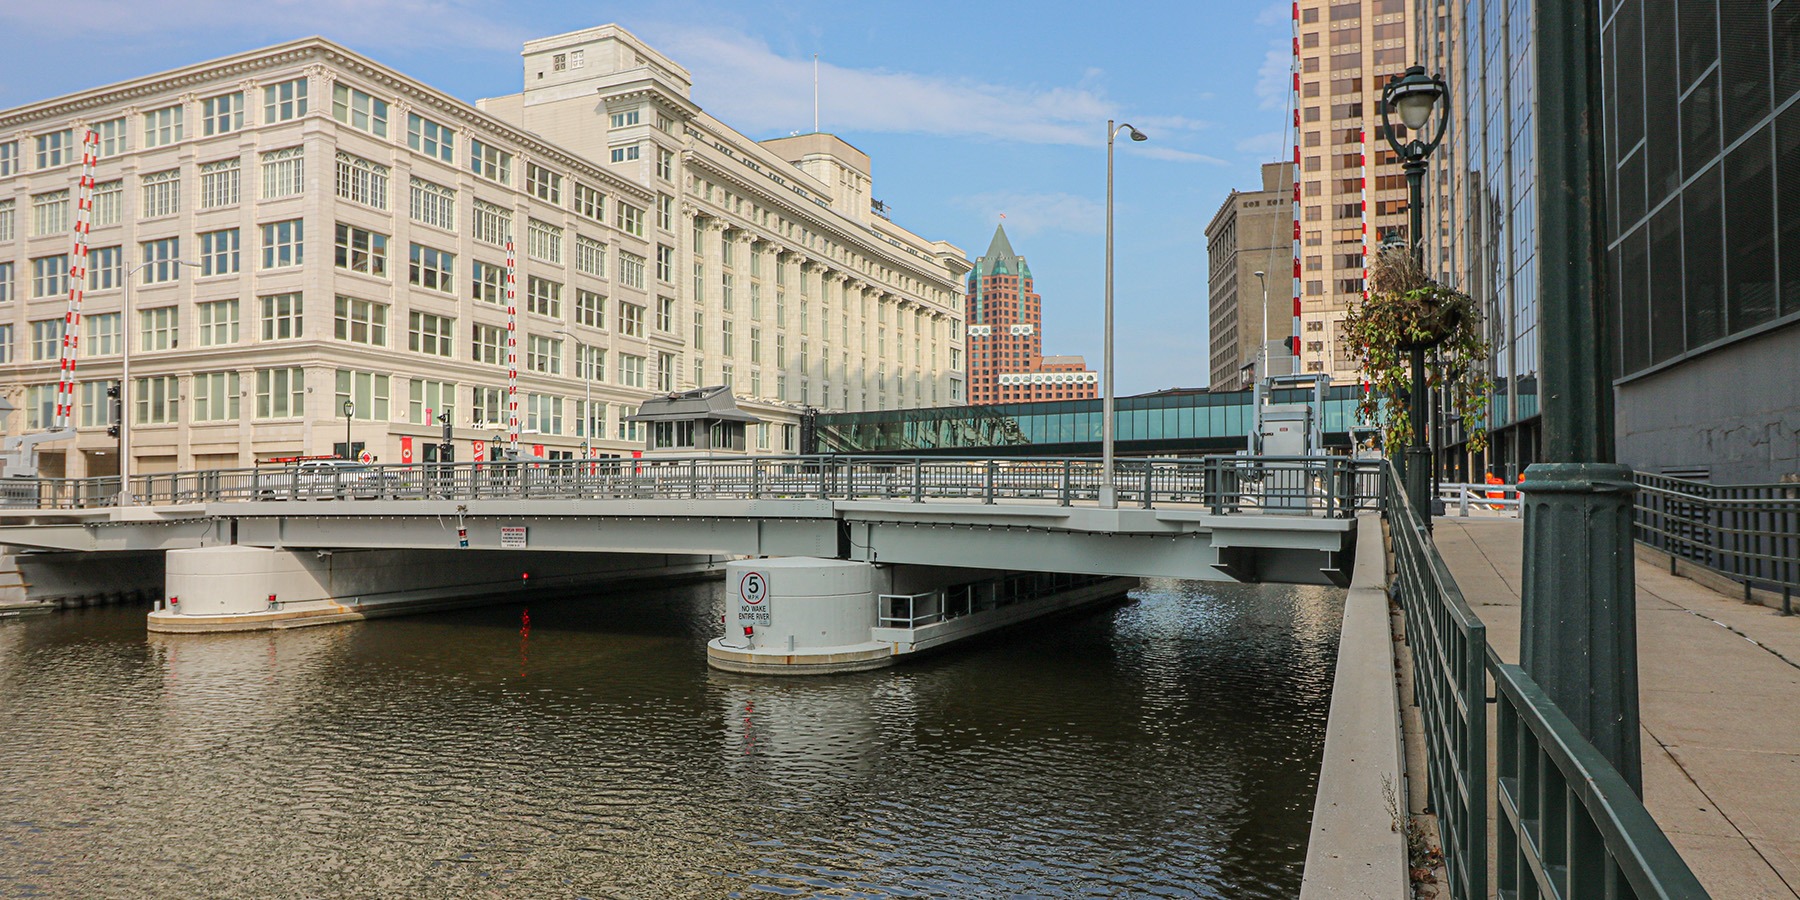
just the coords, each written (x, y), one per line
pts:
(406, 456)
(537, 450)
(480, 451)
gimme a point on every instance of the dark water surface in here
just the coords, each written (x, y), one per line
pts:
(1166, 747)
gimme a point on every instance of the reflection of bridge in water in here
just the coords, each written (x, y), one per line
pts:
(1186, 422)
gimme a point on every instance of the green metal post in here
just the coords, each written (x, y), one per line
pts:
(1579, 625)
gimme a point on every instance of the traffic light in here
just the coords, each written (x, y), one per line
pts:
(112, 431)
(444, 417)
(447, 452)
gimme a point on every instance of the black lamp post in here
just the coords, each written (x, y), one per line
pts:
(349, 411)
(1415, 94)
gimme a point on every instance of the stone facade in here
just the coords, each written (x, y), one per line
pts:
(1252, 232)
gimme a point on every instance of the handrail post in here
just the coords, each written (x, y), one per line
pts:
(918, 486)
(1149, 484)
(992, 466)
(756, 479)
(1067, 472)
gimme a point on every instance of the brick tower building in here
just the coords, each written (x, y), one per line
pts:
(1005, 337)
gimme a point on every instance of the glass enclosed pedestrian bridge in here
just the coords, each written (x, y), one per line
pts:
(1177, 422)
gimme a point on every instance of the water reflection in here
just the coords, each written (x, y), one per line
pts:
(578, 746)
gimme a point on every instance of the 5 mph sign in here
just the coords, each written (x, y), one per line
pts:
(753, 599)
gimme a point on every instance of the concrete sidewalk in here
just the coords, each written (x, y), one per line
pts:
(1719, 684)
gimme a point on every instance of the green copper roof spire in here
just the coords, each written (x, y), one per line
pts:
(1000, 246)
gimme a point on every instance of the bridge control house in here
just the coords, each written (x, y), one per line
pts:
(285, 234)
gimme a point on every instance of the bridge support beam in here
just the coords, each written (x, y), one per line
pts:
(810, 616)
(237, 588)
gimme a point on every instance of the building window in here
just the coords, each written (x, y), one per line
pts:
(630, 219)
(219, 252)
(590, 309)
(489, 344)
(162, 256)
(49, 213)
(222, 114)
(368, 390)
(590, 362)
(96, 407)
(359, 110)
(490, 161)
(725, 292)
(544, 241)
(162, 194)
(590, 419)
(590, 256)
(489, 282)
(665, 164)
(665, 212)
(727, 338)
(625, 154)
(280, 317)
(665, 314)
(432, 204)
(106, 268)
(46, 339)
(162, 127)
(631, 320)
(284, 102)
(219, 183)
(665, 371)
(665, 264)
(631, 269)
(361, 181)
(429, 334)
(215, 396)
(280, 393)
(487, 407)
(544, 296)
(55, 148)
(9, 229)
(755, 345)
(493, 225)
(544, 355)
(589, 202)
(431, 269)
(112, 137)
(543, 183)
(360, 250)
(360, 321)
(218, 322)
(283, 172)
(283, 244)
(699, 341)
(631, 370)
(158, 400)
(629, 431)
(159, 329)
(625, 119)
(559, 62)
(543, 413)
(430, 138)
(429, 399)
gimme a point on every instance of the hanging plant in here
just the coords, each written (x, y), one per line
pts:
(1406, 309)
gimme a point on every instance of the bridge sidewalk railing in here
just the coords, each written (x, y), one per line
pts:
(1566, 823)
(1337, 487)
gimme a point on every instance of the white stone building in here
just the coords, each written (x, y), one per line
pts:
(348, 226)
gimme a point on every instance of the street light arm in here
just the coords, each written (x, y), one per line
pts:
(1443, 114)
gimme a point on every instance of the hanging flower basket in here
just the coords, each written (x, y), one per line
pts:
(1405, 311)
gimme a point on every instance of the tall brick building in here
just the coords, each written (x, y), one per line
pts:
(1005, 336)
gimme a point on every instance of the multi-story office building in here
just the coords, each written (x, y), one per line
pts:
(1702, 151)
(1347, 53)
(787, 282)
(1252, 232)
(348, 230)
(1006, 349)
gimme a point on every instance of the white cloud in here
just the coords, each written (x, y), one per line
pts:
(1033, 213)
(1171, 154)
(1274, 14)
(377, 23)
(1268, 145)
(1275, 77)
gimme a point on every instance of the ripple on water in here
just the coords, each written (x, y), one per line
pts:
(1165, 747)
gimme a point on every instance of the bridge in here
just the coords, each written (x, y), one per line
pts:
(277, 547)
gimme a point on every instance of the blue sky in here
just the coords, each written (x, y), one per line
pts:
(969, 110)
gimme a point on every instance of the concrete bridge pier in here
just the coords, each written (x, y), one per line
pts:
(240, 588)
(810, 616)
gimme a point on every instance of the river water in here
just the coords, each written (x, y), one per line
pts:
(579, 747)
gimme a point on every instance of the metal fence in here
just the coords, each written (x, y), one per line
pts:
(1332, 486)
(1750, 532)
(1567, 825)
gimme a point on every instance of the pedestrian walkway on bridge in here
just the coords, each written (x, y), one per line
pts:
(1719, 683)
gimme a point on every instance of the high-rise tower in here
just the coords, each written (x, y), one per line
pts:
(1005, 338)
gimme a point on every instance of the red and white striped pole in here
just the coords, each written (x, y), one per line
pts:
(1294, 342)
(78, 275)
(512, 346)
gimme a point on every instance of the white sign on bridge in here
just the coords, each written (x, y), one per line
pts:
(753, 599)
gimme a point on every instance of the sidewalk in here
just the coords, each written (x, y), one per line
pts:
(1719, 683)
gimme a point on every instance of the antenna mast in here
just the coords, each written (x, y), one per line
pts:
(815, 93)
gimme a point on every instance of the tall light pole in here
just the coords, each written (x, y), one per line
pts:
(1109, 492)
(1415, 94)
(125, 498)
(349, 412)
(1262, 349)
(587, 384)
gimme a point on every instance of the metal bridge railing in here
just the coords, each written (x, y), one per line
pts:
(1750, 532)
(1567, 825)
(1336, 487)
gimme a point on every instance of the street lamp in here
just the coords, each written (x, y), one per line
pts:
(125, 457)
(1415, 95)
(1262, 350)
(587, 383)
(349, 411)
(1109, 492)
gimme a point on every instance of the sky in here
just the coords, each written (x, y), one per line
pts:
(968, 110)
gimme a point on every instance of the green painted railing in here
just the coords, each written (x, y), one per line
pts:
(1566, 826)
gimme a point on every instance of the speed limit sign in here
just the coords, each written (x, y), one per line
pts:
(753, 599)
